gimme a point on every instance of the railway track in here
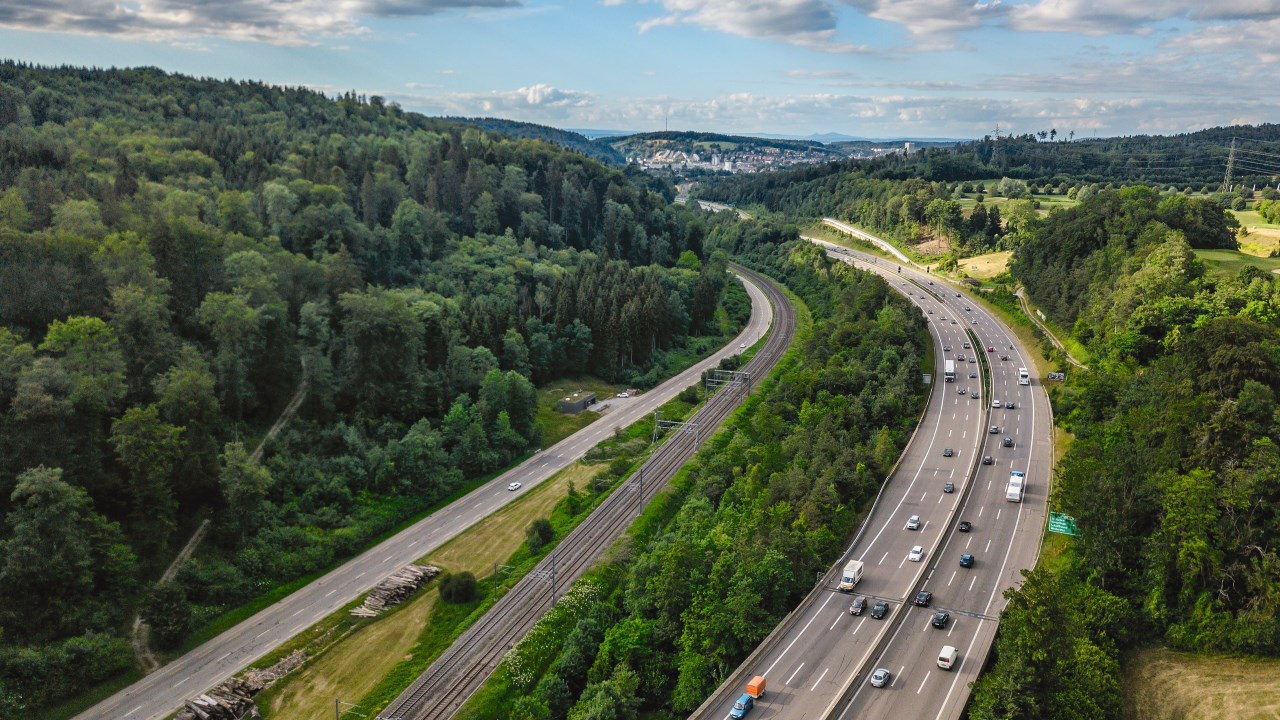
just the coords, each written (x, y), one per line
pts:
(466, 664)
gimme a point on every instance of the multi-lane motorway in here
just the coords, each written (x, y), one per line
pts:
(818, 661)
(160, 693)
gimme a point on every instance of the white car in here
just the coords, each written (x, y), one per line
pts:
(995, 403)
(624, 394)
(880, 677)
(742, 345)
(513, 486)
(917, 554)
(913, 523)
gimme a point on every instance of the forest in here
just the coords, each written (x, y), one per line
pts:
(179, 257)
(764, 506)
(1174, 473)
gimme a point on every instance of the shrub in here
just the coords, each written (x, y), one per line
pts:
(539, 534)
(458, 588)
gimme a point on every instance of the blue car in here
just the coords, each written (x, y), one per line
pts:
(966, 560)
(742, 707)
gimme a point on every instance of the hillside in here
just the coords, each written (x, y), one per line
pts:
(178, 255)
(564, 138)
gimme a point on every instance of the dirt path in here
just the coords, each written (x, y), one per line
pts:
(1026, 310)
(140, 637)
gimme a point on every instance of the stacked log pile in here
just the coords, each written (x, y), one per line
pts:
(396, 589)
(232, 700)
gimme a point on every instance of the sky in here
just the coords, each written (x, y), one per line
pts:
(870, 68)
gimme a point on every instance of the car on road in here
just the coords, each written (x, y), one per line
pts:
(941, 618)
(948, 452)
(880, 609)
(514, 486)
(913, 523)
(946, 348)
(929, 311)
(624, 395)
(991, 348)
(742, 345)
(995, 430)
(968, 309)
(923, 598)
(974, 321)
(962, 391)
(960, 357)
(1008, 442)
(953, 322)
(966, 345)
(973, 373)
(1009, 405)
(916, 554)
(966, 560)
(986, 460)
(965, 526)
(1004, 357)
(859, 604)
(880, 677)
(948, 487)
(742, 707)
(995, 403)
(975, 395)
(957, 294)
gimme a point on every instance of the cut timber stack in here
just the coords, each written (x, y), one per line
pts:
(396, 589)
(232, 700)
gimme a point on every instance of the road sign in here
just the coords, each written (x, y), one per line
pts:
(1062, 523)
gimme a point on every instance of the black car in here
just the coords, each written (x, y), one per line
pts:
(966, 560)
(1008, 442)
(859, 604)
(1010, 405)
(948, 452)
(880, 609)
(941, 618)
(949, 487)
(1004, 357)
(923, 598)
(965, 526)
(986, 460)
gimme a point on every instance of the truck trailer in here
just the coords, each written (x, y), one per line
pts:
(852, 574)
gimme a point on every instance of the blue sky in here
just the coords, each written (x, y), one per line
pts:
(879, 68)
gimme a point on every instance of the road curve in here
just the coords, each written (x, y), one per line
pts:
(162, 692)
(466, 664)
(819, 657)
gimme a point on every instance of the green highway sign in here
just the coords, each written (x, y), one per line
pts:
(1062, 523)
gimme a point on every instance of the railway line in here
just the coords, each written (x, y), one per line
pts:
(447, 684)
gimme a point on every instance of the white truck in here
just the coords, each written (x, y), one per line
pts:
(949, 370)
(1024, 377)
(1017, 482)
(852, 574)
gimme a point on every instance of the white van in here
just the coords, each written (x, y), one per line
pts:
(947, 657)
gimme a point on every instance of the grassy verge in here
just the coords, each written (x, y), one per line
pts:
(986, 267)
(352, 666)
(1161, 684)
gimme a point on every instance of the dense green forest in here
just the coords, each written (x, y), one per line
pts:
(179, 256)
(768, 503)
(599, 150)
(1174, 473)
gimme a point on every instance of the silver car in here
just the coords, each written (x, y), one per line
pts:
(880, 677)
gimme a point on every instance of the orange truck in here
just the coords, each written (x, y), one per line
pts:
(755, 687)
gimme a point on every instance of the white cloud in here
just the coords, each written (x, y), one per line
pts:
(536, 103)
(298, 22)
(1108, 17)
(806, 23)
(931, 17)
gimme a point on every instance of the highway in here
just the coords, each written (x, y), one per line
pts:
(818, 661)
(162, 692)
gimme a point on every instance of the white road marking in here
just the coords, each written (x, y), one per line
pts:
(133, 711)
(331, 592)
(998, 511)
(360, 575)
(925, 680)
(971, 582)
(861, 622)
(979, 511)
(922, 497)
(182, 681)
(988, 548)
(264, 632)
(886, 554)
(793, 675)
(904, 562)
(224, 657)
(798, 636)
(815, 685)
(387, 558)
(299, 612)
(837, 622)
(940, 497)
(953, 577)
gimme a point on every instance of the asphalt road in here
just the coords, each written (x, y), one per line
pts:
(817, 665)
(162, 692)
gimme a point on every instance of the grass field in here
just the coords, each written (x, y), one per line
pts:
(1260, 237)
(985, 267)
(1229, 262)
(1160, 684)
(556, 425)
(351, 667)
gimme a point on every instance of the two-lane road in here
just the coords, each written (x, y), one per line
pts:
(160, 693)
